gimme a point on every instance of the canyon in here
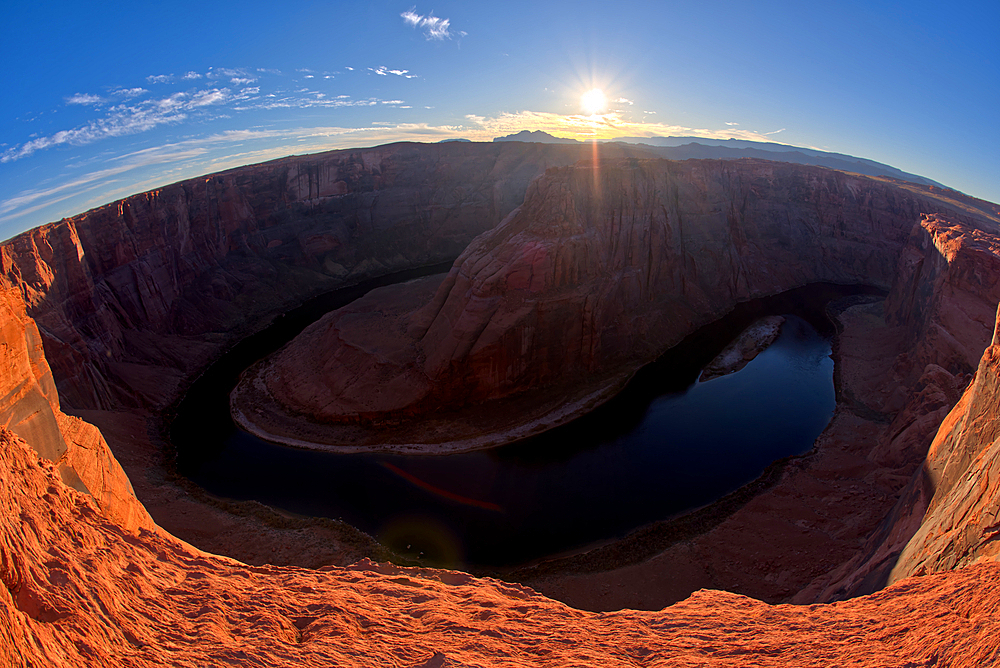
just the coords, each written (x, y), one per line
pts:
(569, 276)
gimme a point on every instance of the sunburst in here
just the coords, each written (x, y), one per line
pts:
(593, 102)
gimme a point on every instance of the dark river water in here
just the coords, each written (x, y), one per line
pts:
(666, 444)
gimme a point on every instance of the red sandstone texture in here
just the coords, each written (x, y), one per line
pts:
(89, 580)
(30, 408)
(134, 298)
(604, 267)
(82, 591)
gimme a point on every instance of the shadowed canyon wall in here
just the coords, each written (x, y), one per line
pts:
(128, 301)
(133, 297)
(606, 266)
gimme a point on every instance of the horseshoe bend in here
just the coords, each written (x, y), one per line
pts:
(877, 547)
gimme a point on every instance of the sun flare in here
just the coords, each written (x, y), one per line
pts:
(593, 101)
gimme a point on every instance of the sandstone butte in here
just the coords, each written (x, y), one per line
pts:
(592, 269)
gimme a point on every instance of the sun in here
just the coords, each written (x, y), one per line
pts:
(593, 101)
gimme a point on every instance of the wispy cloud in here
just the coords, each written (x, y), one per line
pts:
(90, 181)
(385, 71)
(623, 100)
(434, 28)
(217, 72)
(127, 111)
(124, 119)
(728, 123)
(775, 132)
(206, 97)
(84, 99)
(129, 93)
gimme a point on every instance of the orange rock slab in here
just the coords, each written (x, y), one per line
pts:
(81, 591)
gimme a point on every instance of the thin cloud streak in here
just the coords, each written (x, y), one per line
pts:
(434, 28)
(92, 180)
(131, 115)
(84, 99)
(125, 119)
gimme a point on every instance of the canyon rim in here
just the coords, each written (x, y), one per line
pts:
(876, 548)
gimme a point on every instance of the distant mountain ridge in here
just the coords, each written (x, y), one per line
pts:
(687, 148)
(538, 137)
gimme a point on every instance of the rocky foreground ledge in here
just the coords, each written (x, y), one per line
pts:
(82, 591)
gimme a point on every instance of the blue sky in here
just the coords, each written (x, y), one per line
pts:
(104, 100)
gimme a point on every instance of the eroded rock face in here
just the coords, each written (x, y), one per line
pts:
(80, 592)
(601, 269)
(945, 298)
(89, 581)
(29, 407)
(133, 298)
(961, 523)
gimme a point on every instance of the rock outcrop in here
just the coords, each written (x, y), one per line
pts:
(29, 407)
(603, 267)
(79, 591)
(751, 342)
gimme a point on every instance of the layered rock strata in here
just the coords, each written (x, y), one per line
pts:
(133, 298)
(944, 302)
(89, 581)
(604, 266)
(29, 407)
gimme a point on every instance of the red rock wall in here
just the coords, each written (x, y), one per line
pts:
(133, 298)
(945, 296)
(29, 407)
(606, 266)
(610, 265)
(961, 480)
(945, 293)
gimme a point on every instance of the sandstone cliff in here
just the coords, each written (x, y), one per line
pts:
(944, 298)
(604, 267)
(29, 407)
(134, 297)
(88, 580)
